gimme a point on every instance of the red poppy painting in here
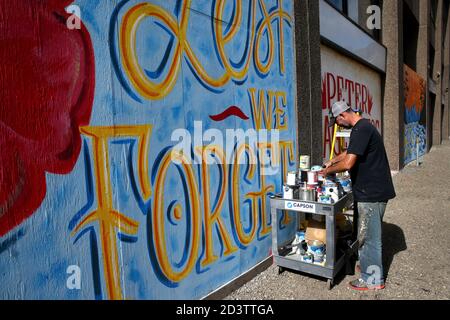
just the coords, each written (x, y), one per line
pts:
(46, 94)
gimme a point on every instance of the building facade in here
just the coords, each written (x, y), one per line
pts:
(403, 44)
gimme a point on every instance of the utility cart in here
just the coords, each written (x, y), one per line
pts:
(334, 261)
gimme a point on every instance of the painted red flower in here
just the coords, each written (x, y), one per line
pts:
(46, 93)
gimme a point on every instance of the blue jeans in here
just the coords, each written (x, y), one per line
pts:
(370, 217)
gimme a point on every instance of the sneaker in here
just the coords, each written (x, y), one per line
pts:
(361, 285)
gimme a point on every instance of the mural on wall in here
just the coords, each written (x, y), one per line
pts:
(348, 80)
(192, 128)
(415, 115)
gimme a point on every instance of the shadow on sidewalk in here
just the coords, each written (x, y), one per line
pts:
(393, 243)
(393, 240)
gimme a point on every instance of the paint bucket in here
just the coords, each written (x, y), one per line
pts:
(313, 186)
(313, 177)
(305, 162)
(291, 178)
(308, 194)
(288, 192)
(319, 191)
(316, 247)
(317, 169)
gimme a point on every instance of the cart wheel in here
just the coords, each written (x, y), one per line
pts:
(330, 284)
(280, 270)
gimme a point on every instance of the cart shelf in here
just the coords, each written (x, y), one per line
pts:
(334, 261)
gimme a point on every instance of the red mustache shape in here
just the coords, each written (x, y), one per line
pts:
(230, 111)
(47, 82)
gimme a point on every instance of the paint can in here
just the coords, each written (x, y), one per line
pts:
(319, 192)
(316, 247)
(313, 177)
(305, 162)
(332, 191)
(288, 192)
(313, 186)
(317, 169)
(308, 194)
(329, 187)
(291, 178)
(318, 258)
(346, 184)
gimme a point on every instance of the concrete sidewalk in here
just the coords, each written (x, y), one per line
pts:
(416, 244)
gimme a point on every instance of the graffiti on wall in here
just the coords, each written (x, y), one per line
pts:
(192, 128)
(415, 117)
(348, 80)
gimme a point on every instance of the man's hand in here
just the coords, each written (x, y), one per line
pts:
(324, 171)
(327, 164)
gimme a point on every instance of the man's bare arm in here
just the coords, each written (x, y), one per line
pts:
(343, 165)
(336, 160)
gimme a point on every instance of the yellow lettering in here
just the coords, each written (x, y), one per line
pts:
(285, 148)
(158, 217)
(243, 238)
(179, 27)
(262, 111)
(108, 218)
(213, 216)
(129, 27)
(266, 24)
(280, 114)
(263, 147)
(223, 40)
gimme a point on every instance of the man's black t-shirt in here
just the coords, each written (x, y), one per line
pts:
(371, 175)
